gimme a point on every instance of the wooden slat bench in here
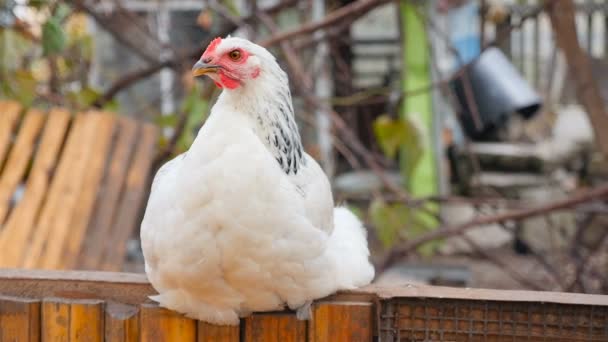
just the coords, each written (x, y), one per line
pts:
(71, 186)
(104, 306)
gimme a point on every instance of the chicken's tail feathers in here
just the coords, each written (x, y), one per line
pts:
(349, 251)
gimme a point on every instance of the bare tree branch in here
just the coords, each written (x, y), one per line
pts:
(503, 266)
(351, 12)
(448, 231)
(582, 263)
(121, 25)
(563, 22)
(225, 28)
(303, 83)
(505, 32)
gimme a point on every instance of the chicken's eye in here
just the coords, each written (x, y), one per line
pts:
(235, 55)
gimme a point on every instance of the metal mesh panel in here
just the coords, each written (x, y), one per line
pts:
(405, 319)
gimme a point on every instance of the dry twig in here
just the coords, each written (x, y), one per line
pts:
(351, 12)
(449, 231)
(178, 57)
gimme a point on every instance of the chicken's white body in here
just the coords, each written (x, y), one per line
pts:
(228, 231)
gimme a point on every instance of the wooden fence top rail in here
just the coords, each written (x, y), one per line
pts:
(104, 306)
(134, 288)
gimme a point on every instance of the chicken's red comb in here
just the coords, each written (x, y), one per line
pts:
(213, 45)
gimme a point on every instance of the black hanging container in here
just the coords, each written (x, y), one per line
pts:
(498, 91)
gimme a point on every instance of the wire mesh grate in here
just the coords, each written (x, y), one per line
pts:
(416, 319)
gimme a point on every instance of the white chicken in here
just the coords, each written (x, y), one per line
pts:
(244, 220)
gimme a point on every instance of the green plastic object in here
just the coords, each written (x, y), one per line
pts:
(423, 178)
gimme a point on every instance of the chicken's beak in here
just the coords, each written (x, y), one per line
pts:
(201, 68)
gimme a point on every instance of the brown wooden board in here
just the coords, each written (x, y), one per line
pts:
(21, 221)
(209, 332)
(56, 206)
(121, 323)
(19, 158)
(86, 321)
(75, 176)
(55, 321)
(74, 320)
(275, 327)
(445, 292)
(342, 321)
(79, 191)
(108, 199)
(19, 319)
(126, 288)
(403, 314)
(9, 115)
(159, 324)
(131, 203)
(134, 288)
(67, 256)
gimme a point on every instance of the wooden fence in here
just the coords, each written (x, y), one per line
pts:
(98, 306)
(68, 181)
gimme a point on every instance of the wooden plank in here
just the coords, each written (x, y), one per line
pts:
(209, 332)
(9, 113)
(159, 324)
(61, 202)
(134, 288)
(43, 226)
(127, 288)
(86, 321)
(444, 292)
(79, 191)
(55, 321)
(131, 204)
(74, 320)
(342, 321)
(21, 221)
(275, 327)
(19, 319)
(101, 223)
(121, 323)
(19, 158)
(67, 256)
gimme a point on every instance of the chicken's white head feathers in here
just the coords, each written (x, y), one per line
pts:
(234, 62)
(254, 84)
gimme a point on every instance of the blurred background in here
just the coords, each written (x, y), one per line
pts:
(470, 136)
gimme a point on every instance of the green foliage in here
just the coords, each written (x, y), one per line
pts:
(395, 222)
(53, 37)
(83, 98)
(21, 86)
(13, 49)
(399, 221)
(396, 135)
(231, 6)
(195, 108)
(389, 220)
(38, 4)
(53, 66)
(47, 64)
(62, 11)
